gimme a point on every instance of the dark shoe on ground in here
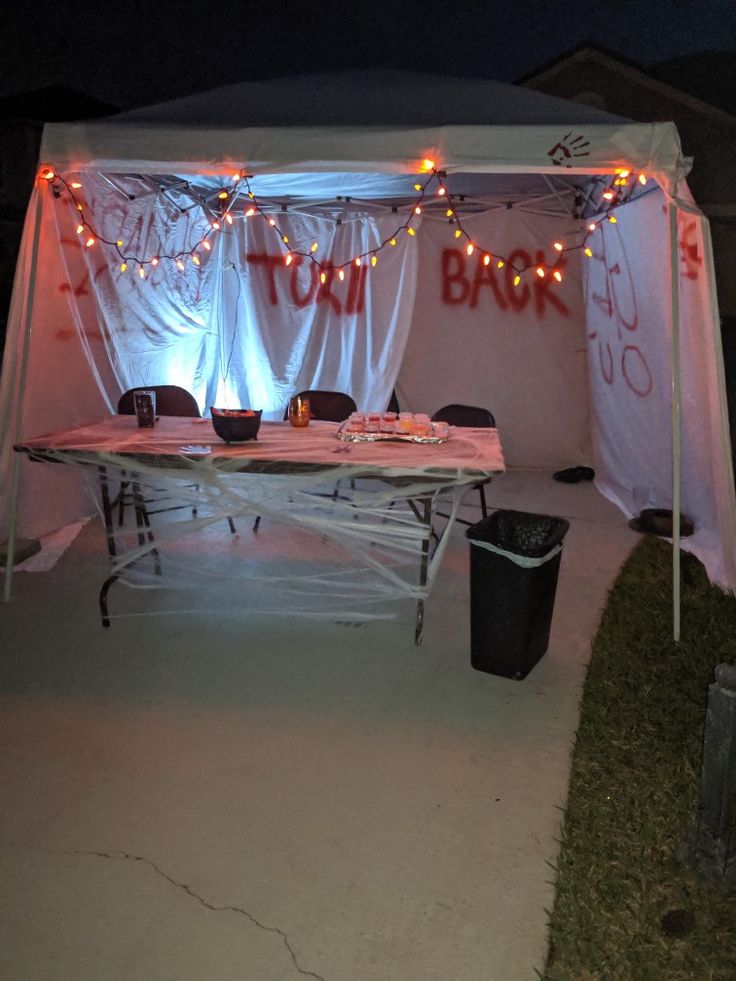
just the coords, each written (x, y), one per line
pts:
(574, 475)
(658, 521)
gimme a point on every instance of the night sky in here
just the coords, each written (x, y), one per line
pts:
(140, 52)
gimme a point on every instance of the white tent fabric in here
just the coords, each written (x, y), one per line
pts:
(563, 369)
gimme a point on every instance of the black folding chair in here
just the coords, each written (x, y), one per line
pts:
(171, 400)
(471, 416)
(325, 406)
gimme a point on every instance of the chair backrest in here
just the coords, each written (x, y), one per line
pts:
(465, 415)
(328, 406)
(171, 400)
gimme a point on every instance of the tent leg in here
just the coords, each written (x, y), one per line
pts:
(676, 414)
(15, 482)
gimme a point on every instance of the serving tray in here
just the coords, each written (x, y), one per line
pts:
(439, 434)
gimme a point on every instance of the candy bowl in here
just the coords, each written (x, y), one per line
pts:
(236, 425)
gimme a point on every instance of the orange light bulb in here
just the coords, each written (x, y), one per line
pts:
(90, 241)
(486, 260)
(289, 259)
(341, 275)
(469, 248)
(540, 272)
(558, 275)
(558, 245)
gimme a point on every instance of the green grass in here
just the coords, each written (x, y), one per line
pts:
(634, 787)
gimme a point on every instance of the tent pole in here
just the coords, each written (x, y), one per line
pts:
(15, 478)
(676, 413)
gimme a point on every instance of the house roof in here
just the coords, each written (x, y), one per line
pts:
(656, 77)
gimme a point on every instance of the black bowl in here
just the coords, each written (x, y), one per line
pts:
(234, 426)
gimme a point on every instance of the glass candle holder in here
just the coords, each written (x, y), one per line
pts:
(299, 413)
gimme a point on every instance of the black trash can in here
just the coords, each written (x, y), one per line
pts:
(514, 565)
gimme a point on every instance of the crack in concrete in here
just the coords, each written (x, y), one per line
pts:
(127, 856)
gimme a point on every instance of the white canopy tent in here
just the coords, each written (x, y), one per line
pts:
(620, 363)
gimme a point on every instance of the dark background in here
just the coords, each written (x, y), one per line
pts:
(133, 53)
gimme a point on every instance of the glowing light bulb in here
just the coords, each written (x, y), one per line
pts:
(442, 190)
(216, 226)
(374, 260)
(251, 195)
(410, 231)
(119, 243)
(323, 277)
(80, 229)
(76, 185)
(289, 259)
(613, 219)
(458, 233)
(206, 245)
(469, 248)
(142, 272)
(517, 279)
(428, 164)
(180, 265)
(229, 218)
(392, 241)
(608, 195)
(271, 221)
(195, 260)
(154, 261)
(123, 266)
(417, 187)
(417, 210)
(500, 263)
(285, 239)
(222, 195)
(540, 272)
(357, 261)
(249, 212)
(47, 174)
(623, 173)
(486, 260)
(557, 275)
(588, 252)
(642, 179)
(313, 247)
(90, 241)
(80, 207)
(592, 226)
(558, 245)
(449, 212)
(341, 275)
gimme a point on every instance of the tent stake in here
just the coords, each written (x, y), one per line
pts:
(676, 407)
(15, 479)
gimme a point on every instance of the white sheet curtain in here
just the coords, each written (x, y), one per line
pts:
(243, 329)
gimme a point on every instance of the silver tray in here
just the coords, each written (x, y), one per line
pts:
(347, 437)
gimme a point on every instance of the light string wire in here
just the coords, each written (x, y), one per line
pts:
(616, 193)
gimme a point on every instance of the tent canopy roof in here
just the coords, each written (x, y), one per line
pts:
(381, 97)
(376, 122)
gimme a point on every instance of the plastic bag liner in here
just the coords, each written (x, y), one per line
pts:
(527, 540)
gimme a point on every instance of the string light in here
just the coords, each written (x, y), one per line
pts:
(435, 177)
